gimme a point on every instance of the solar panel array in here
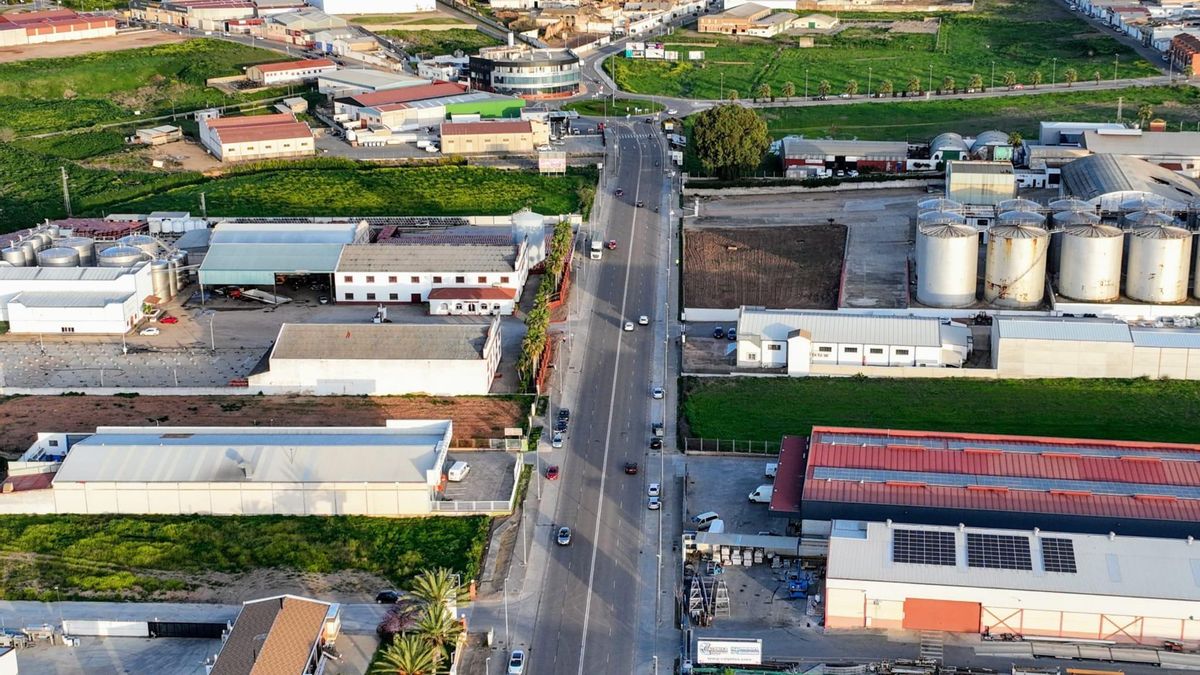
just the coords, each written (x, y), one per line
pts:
(1058, 555)
(998, 551)
(1009, 446)
(923, 547)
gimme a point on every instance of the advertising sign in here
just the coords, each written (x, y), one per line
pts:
(729, 651)
(695, 56)
(552, 161)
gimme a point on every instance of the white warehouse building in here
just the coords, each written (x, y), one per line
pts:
(394, 470)
(456, 359)
(70, 300)
(374, 6)
(797, 340)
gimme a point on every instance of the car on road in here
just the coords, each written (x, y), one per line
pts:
(169, 319)
(641, 204)
(149, 331)
(653, 503)
(631, 468)
(619, 192)
(653, 490)
(560, 425)
(628, 325)
(656, 444)
(388, 597)
(556, 441)
(612, 244)
(564, 536)
(657, 429)
(516, 662)
(552, 472)
(731, 334)
(323, 300)
(643, 320)
(672, 111)
(564, 414)
(718, 333)
(657, 392)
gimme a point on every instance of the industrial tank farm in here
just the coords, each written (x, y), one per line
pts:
(1015, 274)
(1090, 257)
(1159, 262)
(947, 255)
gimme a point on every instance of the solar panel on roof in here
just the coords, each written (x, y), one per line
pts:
(998, 551)
(879, 441)
(1058, 555)
(923, 547)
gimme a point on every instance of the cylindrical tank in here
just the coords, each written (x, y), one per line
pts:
(1136, 219)
(179, 277)
(1158, 264)
(53, 230)
(1059, 222)
(160, 279)
(947, 261)
(939, 204)
(1021, 218)
(1143, 203)
(42, 240)
(185, 276)
(1070, 204)
(1090, 267)
(31, 251)
(120, 256)
(147, 244)
(14, 255)
(1017, 204)
(529, 227)
(85, 246)
(58, 257)
(1015, 275)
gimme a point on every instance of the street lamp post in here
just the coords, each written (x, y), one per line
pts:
(806, 84)
(930, 87)
(1116, 62)
(993, 76)
(1053, 71)
(870, 72)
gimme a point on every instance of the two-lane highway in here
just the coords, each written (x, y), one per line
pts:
(586, 618)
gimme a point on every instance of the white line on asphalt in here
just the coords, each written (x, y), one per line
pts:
(587, 606)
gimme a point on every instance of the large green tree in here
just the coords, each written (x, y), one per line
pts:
(730, 140)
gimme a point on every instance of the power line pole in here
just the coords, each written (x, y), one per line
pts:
(66, 191)
(203, 206)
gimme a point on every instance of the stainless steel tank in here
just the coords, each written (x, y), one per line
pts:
(1015, 272)
(53, 230)
(939, 204)
(1017, 204)
(14, 255)
(31, 251)
(182, 275)
(58, 257)
(1158, 264)
(160, 279)
(1090, 266)
(947, 260)
(85, 246)
(120, 256)
(1069, 204)
(1059, 222)
(1021, 218)
(42, 240)
(148, 245)
(1144, 202)
(1136, 219)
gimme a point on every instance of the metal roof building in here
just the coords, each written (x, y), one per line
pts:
(1069, 347)
(983, 480)
(1107, 180)
(447, 258)
(252, 254)
(96, 300)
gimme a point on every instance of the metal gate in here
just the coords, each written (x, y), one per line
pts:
(186, 629)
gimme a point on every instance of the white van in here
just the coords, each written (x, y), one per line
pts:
(703, 520)
(771, 469)
(762, 494)
(458, 471)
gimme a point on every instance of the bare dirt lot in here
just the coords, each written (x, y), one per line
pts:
(474, 418)
(793, 267)
(178, 156)
(53, 50)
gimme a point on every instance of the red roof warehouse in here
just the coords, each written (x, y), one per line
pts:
(1073, 485)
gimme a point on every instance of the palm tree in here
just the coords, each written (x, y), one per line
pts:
(948, 84)
(976, 82)
(440, 630)
(851, 87)
(1096, 76)
(1070, 75)
(1145, 112)
(764, 91)
(732, 95)
(789, 90)
(1015, 139)
(407, 655)
(914, 85)
(886, 88)
(438, 586)
(1010, 79)
(1035, 78)
(823, 88)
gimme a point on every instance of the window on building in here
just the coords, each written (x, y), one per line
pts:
(824, 350)
(901, 352)
(393, 296)
(437, 280)
(752, 356)
(68, 329)
(774, 348)
(482, 280)
(460, 280)
(504, 280)
(347, 278)
(53, 443)
(849, 350)
(458, 305)
(370, 296)
(370, 279)
(349, 296)
(876, 350)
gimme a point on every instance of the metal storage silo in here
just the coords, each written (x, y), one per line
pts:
(85, 246)
(14, 255)
(947, 260)
(120, 256)
(1144, 202)
(53, 230)
(31, 250)
(530, 226)
(939, 204)
(41, 240)
(1158, 264)
(160, 279)
(1091, 262)
(1136, 219)
(1070, 204)
(1017, 204)
(148, 245)
(1059, 222)
(1015, 275)
(179, 276)
(58, 257)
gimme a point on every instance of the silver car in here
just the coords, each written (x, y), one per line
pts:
(657, 392)
(564, 536)
(556, 441)
(653, 504)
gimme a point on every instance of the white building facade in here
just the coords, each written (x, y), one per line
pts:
(373, 273)
(70, 300)
(374, 6)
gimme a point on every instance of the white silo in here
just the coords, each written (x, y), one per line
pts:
(1138, 219)
(1059, 222)
(1158, 264)
(1090, 266)
(530, 227)
(1015, 273)
(58, 257)
(120, 256)
(947, 260)
(160, 279)
(85, 246)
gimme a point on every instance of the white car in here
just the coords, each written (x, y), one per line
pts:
(672, 111)
(657, 392)
(653, 503)
(643, 320)
(150, 331)
(557, 440)
(653, 490)
(628, 325)
(516, 663)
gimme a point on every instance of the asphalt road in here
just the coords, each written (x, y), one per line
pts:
(587, 620)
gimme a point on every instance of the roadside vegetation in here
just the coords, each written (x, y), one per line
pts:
(599, 107)
(1036, 42)
(729, 140)
(537, 321)
(419, 632)
(388, 19)
(151, 557)
(765, 409)
(427, 43)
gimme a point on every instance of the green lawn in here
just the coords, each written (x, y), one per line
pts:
(427, 43)
(385, 19)
(621, 106)
(42, 95)
(140, 558)
(76, 146)
(1023, 36)
(765, 409)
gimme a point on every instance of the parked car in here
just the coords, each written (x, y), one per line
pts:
(653, 490)
(564, 414)
(564, 536)
(323, 300)
(169, 319)
(718, 333)
(556, 441)
(516, 663)
(149, 331)
(631, 468)
(552, 472)
(657, 392)
(653, 503)
(643, 320)
(731, 334)
(628, 325)
(619, 192)
(656, 444)
(612, 244)
(388, 597)
(657, 429)
(641, 204)
(560, 425)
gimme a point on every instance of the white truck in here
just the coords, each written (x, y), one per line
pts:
(597, 249)
(762, 494)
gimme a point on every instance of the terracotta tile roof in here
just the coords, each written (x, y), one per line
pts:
(296, 65)
(37, 481)
(473, 293)
(250, 121)
(270, 132)
(274, 636)
(408, 94)
(481, 128)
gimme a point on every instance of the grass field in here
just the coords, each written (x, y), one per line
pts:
(386, 19)
(764, 409)
(55, 94)
(143, 558)
(1022, 36)
(621, 106)
(427, 43)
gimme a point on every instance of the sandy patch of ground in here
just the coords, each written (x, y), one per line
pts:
(178, 156)
(75, 48)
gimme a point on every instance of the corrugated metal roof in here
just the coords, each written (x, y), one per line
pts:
(281, 258)
(1180, 143)
(1146, 568)
(794, 146)
(447, 258)
(1085, 330)
(301, 454)
(840, 328)
(284, 233)
(385, 341)
(1170, 338)
(67, 273)
(1097, 175)
(69, 298)
(972, 167)
(360, 77)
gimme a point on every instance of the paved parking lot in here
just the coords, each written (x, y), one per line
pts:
(722, 484)
(120, 656)
(702, 353)
(490, 477)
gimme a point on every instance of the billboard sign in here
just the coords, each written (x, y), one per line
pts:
(729, 651)
(696, 56)
(552, 161)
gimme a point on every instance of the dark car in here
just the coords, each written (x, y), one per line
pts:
(631, 468)
(387, 597)
(619, 192)
(656, 444)
(718, 332)
(560, 425)
(552, 472)
(731, 334)
(564, 414)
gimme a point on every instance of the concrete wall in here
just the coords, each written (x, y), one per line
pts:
(115, 318)
(793, 189)
(1014, 357)
(377, 377)
(383, 499)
